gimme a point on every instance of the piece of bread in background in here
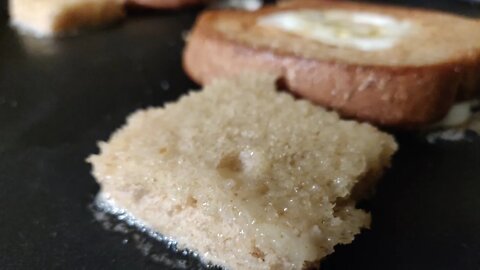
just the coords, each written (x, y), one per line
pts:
(57, 17)
(388, 65)
(248, 177)
(165, 4)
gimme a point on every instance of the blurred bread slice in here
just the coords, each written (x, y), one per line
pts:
(248, 177)
(56, 17)
(388, 65)
(166, 4)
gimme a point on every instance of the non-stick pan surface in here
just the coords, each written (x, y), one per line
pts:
(58, 97)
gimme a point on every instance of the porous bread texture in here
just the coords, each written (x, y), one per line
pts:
(410, 85)
(248, 177)
(55, 17)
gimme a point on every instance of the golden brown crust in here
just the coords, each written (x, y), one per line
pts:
(165, 4)
(83, 16)
(405, 96)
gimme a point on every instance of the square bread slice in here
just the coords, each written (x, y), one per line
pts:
(246, 176)
(53, 17)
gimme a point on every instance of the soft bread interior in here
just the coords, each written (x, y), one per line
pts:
(248, 177)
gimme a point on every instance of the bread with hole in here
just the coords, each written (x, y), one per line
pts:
(391, 66)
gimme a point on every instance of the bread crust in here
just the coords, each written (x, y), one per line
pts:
(400, 96)
(59, 18)
(165, 4)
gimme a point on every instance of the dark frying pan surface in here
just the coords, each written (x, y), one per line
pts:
(57, 98)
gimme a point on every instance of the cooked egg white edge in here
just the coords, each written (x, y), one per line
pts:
(459, 114)
(358, 30)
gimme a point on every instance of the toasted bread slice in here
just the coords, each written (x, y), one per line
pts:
(56, 17)
(387, 65)
(247, 177)
(165, 4)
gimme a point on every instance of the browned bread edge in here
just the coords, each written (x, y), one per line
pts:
(164, 4)
(387, 95)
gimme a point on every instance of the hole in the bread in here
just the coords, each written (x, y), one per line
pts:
(191, 201)
(258, 253)
(263, 189)
(163, 150)
(229, 165)
(292, 163)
